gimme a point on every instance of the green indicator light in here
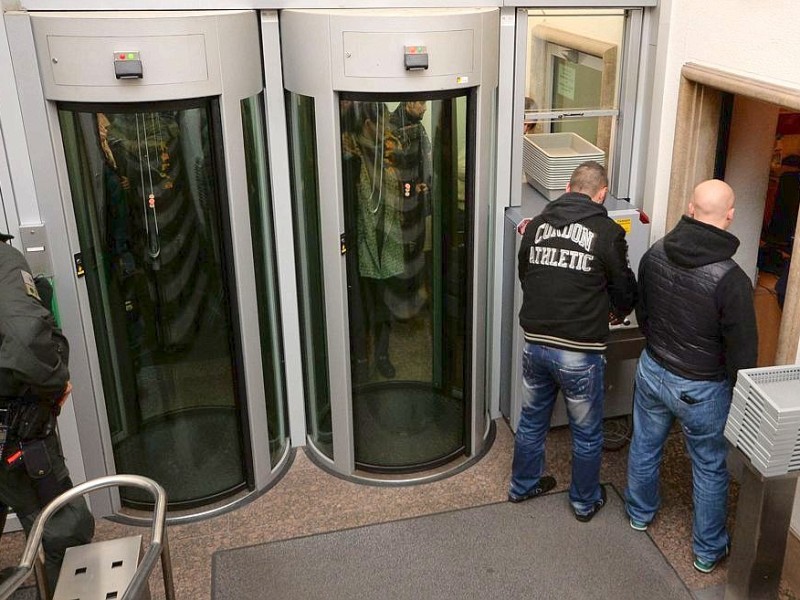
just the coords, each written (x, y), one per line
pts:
(131, 56)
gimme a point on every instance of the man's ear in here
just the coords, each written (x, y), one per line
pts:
(690, 210)
(729, 215)
(568, 188)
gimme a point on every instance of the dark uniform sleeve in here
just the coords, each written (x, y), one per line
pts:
(621, 280)
(33, 352)
(734, 297)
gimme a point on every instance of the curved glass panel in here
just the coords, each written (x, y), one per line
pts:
(255, 155)
(308, 249)
(146, 190)
(408, 214)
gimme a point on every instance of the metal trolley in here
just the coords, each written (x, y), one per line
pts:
(158, 547)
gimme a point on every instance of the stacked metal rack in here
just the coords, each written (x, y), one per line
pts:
(764, 419)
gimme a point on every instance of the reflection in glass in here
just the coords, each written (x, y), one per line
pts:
(148, 212)
(573, 69)
(407, 219)
(308, 249)
(255, 152)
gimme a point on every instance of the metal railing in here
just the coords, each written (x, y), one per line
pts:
(158, 546)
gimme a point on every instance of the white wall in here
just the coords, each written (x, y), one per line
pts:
(757, 40)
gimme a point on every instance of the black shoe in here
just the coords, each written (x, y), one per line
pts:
(545, 484)
(385, 367)
(585, 518)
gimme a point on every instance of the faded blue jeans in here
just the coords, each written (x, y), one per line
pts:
(702, 409)
(579, 375)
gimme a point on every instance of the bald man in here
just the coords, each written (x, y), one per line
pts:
(696, 312)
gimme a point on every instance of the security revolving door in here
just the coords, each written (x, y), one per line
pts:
(168, 188)
(392, 256)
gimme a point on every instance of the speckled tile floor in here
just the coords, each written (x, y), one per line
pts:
(308, 500)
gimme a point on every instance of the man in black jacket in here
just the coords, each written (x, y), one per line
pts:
(573, 265)
(696, 312)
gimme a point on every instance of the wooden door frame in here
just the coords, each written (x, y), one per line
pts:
(694, 152)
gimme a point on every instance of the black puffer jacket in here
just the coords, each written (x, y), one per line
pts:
(573, 265)
(33, 352)
(696, 304)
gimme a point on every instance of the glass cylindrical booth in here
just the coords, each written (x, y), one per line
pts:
(159, 120)
(390, 125)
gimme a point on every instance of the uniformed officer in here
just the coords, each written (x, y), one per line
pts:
(34, 382)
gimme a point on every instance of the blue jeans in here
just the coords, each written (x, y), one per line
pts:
(580, 377)
(702, 409)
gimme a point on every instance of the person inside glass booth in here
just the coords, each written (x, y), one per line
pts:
(373, 201)
(407, 293)
(386, 168)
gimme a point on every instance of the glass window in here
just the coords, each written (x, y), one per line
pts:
(255, 150)
(571, 88)
(308, 249)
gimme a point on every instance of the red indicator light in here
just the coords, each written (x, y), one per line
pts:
(122, 57)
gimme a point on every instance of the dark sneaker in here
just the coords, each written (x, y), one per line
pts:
(706, 566)
(638, 525)
(586, 517)
(545, 484)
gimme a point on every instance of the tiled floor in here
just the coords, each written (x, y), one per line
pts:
(308, 500)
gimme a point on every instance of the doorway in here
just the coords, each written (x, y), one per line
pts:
(700, 102)
(777, 232)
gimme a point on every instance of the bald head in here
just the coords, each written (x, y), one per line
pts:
(712, 203)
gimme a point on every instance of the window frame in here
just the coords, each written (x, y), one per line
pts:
(631, 61)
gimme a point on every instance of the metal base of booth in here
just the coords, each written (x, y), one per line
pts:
(763, 516)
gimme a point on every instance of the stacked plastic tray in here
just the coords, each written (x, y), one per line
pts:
(549, 159)
(764, 420)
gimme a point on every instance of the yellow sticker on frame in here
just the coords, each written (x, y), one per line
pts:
(625, 224)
